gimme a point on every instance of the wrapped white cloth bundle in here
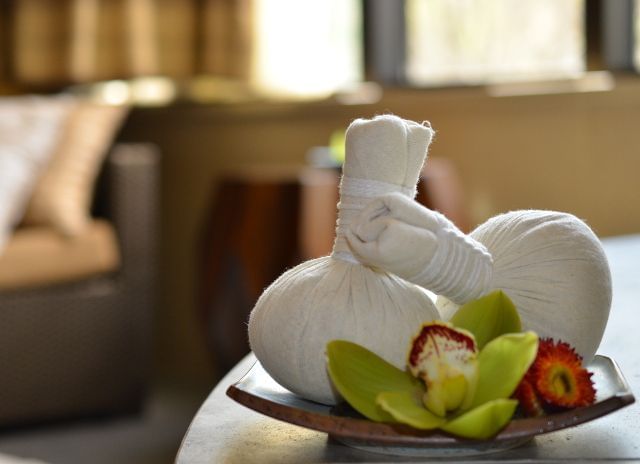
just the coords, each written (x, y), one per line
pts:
(336, 297)
(550, 264)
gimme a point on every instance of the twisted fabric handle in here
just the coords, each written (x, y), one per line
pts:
(398, 235)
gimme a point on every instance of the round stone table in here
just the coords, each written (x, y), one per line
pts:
(223, 431)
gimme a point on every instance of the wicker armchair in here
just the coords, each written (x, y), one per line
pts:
(83, 348)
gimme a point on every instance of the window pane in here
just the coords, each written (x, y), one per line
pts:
(467, 41)
(307, 47)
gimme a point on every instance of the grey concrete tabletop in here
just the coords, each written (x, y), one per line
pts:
(224, 431)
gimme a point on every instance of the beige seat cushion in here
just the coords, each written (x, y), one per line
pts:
(62, 196)
(37, 256)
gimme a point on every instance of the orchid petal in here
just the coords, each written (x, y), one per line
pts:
(488, 317)
(360, 376)
(407, 408)
(502, 364)
(484, 421)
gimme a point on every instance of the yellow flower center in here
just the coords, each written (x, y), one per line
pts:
(561, 382)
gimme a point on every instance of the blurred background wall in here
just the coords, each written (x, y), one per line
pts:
(536, 104)
(571, 152)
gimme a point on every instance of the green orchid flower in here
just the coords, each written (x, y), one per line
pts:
(488, 317)
(464, 391)
(445, 358)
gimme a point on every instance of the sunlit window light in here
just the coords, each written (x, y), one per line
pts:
(306, 48)
(152, 91)
(113, 92)
(475, 41)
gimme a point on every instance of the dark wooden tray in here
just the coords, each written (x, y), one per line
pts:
(258, 391)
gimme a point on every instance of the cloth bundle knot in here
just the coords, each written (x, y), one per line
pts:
(337, 297)
(549, 263)
(422, 246)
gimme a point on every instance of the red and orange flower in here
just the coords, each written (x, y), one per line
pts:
(556, 380)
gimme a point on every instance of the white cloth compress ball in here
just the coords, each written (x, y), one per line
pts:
(550, 264)
(336, 297)
(554, 269)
